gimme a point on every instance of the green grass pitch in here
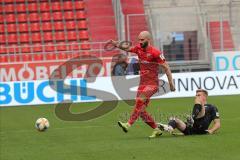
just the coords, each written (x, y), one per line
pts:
(102, 139)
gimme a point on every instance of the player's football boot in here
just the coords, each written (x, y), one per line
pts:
(156, 133)
(124, 126)
(164, 127)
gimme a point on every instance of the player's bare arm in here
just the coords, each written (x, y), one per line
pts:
(168, 72)
(215, 127)
(124, 47)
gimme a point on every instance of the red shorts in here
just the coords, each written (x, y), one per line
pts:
(147, 90)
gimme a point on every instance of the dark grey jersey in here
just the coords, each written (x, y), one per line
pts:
(211, 113)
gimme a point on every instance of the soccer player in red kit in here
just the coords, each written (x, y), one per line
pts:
(149, 59)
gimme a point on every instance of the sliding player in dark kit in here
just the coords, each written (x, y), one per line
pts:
(203, 115)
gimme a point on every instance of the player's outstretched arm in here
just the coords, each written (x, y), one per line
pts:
(215, 127)
(169, 75)
(124, 47)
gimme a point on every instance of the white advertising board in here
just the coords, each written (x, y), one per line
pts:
(114, 88)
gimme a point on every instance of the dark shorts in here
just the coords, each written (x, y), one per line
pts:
(193, 131)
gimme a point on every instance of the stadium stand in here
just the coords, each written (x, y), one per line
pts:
(38, 27)
(48, 29)
(136, 23)
(101, 27)
(215, 36)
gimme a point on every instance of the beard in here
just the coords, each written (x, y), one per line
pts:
(144, 45)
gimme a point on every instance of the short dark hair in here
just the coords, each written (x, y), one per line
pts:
(202, 90)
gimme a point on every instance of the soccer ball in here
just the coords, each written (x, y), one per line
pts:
(42, 124)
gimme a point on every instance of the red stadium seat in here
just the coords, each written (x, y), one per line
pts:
(47, 26)
(12, 38)
(23, 27)
(38, 57)
(68, 15)
(26, 48)
(11, 28)
(59, 36)
(9, 8)
(57, 16)
(2, 38)
(67, 5)
(85, 46)
(37, 47)
(59, 26)
(34, 17)
(44, 6)
(70, 25)
(56, 6)
(32, 7)
(13, 1)
(72, 35)
(82, 24)
(74, 46)
(46, 16)
(61, 46)
(22, 17)
(35, 26)
(49, 47)
(10, 18)
(79, 5)
(3, 50)
(50, 56)
(12, 58)
(3, 58)
(48, 36)
(76, 54)
(69, 55)
(21, 7)
(83, 35)
(24, 38)
(26, 57)
(80, 15)
(1, 18)
(2, 28)
(22, 57)
(81, 53)
(13, 49)
(62, 55)
(36, 37)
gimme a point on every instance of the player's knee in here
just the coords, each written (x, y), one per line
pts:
(177, 120)
(139, 103)
(139, 100)
(172, 122)
(142, 98)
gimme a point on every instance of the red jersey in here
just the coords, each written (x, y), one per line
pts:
(149, 60)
